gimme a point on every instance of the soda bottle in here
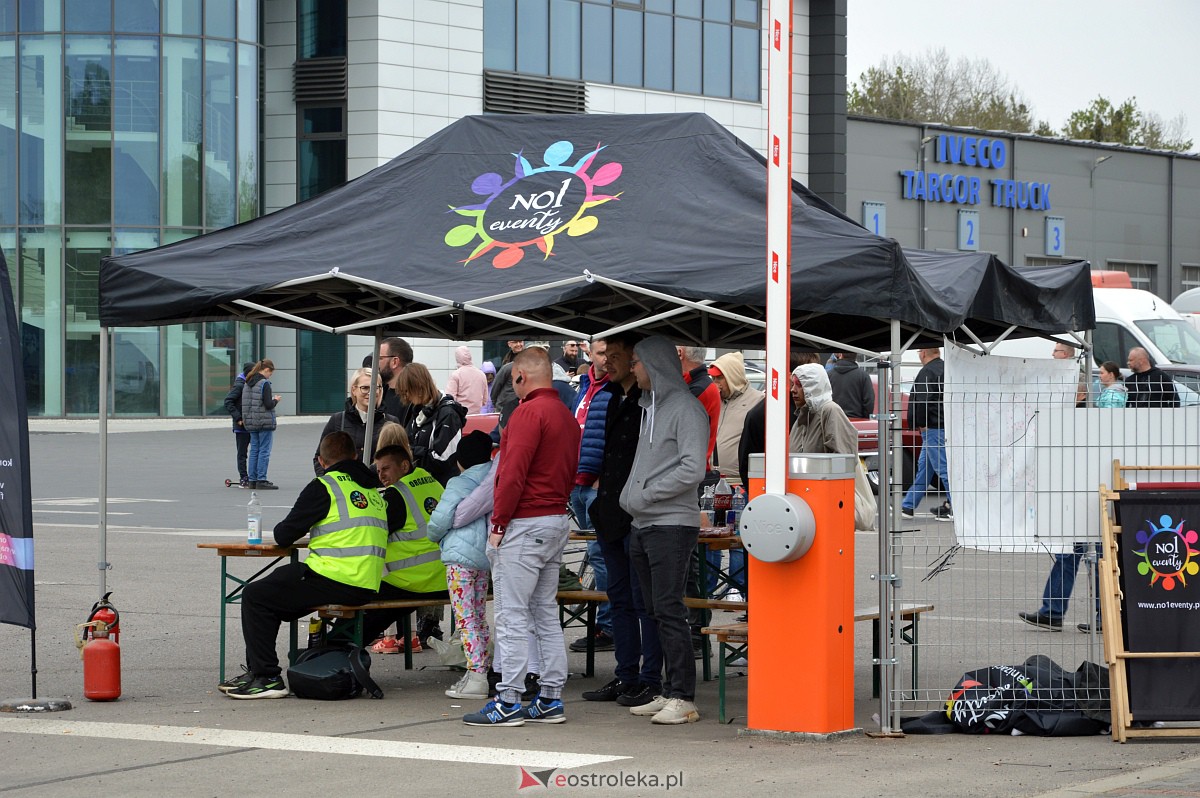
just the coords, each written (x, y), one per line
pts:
(254, 519)
(316, 632)
(722, 501)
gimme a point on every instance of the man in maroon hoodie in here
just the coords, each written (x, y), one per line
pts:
(539, 455)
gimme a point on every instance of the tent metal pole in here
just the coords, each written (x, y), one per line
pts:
(300, 320)
(369, 441)
(102, 564)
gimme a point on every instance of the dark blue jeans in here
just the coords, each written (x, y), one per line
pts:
(660, 557)
(635, 635)
(1061, 582)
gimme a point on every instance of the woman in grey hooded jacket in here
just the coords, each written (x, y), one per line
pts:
(660, 495)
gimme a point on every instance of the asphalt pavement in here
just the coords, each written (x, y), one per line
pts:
(172, 733)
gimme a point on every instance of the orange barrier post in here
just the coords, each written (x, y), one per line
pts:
(801, 673)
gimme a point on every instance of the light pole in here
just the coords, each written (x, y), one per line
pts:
(924, 194)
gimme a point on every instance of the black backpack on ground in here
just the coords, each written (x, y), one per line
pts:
(333, 673)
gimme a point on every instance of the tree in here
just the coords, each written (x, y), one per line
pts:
(932, 88)
(1126, 124)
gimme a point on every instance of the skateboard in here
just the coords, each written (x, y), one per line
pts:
(233, 483)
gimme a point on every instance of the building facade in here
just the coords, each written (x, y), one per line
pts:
(177, 118)
(1031, 200)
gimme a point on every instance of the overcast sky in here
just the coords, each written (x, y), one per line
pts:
(1060, 54)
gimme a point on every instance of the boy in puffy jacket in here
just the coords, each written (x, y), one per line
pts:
(467, 567)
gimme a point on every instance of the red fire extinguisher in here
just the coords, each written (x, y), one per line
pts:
(104, 611)
(101, 662)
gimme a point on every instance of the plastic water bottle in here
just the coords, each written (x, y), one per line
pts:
(254, 519)
(706, 507)
(738, 503)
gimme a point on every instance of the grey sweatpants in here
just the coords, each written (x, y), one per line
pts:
(525, 589)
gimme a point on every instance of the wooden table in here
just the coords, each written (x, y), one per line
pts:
(231, 585)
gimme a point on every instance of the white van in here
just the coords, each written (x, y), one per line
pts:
(1128, 317)
(1188, 305)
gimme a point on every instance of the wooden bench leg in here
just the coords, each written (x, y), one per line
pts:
(723, 653)
(406, 637)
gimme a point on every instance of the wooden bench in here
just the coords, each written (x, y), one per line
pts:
(733, 641)
(576, 607)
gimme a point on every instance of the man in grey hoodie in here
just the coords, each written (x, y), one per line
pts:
(660, 495)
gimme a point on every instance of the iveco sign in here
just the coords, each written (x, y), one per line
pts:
(966, 189)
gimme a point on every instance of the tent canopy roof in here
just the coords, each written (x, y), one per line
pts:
(507, 226)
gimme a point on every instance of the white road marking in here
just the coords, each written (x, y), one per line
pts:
(230, 534)
(276, 741)
(75, 512)
(82, 500)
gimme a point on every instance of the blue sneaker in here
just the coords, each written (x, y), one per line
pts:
(497, 713)
(544, 710)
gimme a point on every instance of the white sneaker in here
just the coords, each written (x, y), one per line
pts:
(675, 712)
(653, 708)
(471, 685)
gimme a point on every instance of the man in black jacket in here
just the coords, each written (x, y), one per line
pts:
(1148, 385)
(852, 387)
(635, 635)
(925, 414)
(241, 435)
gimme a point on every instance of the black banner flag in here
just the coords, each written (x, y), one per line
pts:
(1160, 581)
(16, 509)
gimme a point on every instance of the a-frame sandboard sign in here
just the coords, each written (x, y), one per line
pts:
(1150, 600)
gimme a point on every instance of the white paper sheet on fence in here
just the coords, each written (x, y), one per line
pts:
(1026, 464)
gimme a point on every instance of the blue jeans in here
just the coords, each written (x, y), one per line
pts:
(737, 571)
(260, 454)
(581, 498)
(931, 461)
(1061, 581)
(635, 635)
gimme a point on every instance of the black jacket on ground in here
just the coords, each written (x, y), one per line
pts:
(350, 422)
(313, 502)
(925, 399)
(622, 428)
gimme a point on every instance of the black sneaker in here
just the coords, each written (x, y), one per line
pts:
(237, 682)
(1041, 621)
(944, 513)
(533, 686)
(261, 687)
(609, 692)
(640, 695)
(603, 641)
(1086, 628)
(264, 484)
(907, 513)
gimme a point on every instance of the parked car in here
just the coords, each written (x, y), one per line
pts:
(868, 440)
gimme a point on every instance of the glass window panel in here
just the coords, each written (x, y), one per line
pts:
(84, 249)
(135, 124)
(89, 15)
(41, 130)
(717, 10)
(247, 132)
(321, 377)
(322, 120)
(136, 16)
(182, 17)
(658, 52)
(220, 18)
(8, 132)
(687, 56)
(661, 6)
(597, 43)
(747, 64)
(500, 35)
(716, 59)
(8, 16)
(627, 47)
(687, 8)
(248, 20)
(134, 380)
(182, 370)
(746, 11)
(41, 15)
(564, 39)
(220, 137)
(533, 30)
(171, 236)
(88, 162)
(322, 165)
(182, 123)
(41, 275)
(221, 365)
(321, 28)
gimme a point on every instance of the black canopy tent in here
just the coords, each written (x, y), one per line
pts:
(504, 226)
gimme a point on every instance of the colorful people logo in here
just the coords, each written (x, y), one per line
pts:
(1167, 552)
(534, 206)
(358, 500)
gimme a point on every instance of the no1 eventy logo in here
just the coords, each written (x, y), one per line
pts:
(534, 206)
(1167, 552)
